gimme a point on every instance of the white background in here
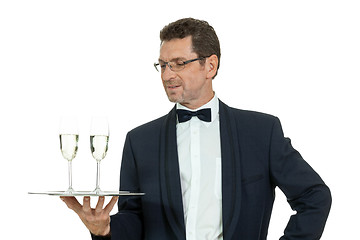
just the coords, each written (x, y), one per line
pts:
(298, 60)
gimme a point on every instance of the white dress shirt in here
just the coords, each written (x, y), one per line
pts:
(198, 144)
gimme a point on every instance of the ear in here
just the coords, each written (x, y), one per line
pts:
(212, 65)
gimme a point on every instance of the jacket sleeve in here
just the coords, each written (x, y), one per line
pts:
(306, 192)
(127, 222)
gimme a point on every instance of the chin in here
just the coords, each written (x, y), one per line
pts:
(175, 99)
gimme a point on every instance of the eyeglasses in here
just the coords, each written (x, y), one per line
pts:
(176, 65)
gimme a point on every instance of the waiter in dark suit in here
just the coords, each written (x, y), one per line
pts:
(209, 171)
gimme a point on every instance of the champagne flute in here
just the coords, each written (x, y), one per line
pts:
(69, 137)
(99, 138)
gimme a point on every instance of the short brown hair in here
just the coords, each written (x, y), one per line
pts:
(204, 39)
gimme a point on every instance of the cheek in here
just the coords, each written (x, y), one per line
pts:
(192, 85)
(188, 82)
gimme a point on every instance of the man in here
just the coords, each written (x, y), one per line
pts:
(209, 171)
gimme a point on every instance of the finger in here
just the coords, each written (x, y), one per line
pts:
(72, 203)
(99, 205)
(86, 204)
(111, 204)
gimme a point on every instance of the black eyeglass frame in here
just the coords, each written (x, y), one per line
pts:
(182, 64)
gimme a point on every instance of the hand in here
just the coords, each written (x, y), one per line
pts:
(97, 219)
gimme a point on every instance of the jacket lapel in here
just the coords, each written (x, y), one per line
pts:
(170, 177)
(231, 172)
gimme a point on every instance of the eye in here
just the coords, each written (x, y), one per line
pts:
(162, 64)
(180, 63)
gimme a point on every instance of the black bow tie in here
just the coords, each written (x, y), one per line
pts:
(202, 114)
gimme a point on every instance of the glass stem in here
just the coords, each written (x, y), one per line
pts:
(70, 176)
(97, 176)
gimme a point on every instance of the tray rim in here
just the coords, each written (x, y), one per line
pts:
(86, 193)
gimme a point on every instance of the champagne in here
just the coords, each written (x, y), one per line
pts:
(99, 146)
(69, 145)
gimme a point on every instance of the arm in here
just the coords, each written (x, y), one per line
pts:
(306, 192)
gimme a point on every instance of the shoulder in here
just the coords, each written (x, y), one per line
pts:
(248, 116)
(153, 128)
(251, 126)
(148, 128)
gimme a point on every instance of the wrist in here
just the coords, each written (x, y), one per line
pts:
(105, 233)
(98, 237)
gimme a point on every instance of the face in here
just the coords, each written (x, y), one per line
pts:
(191, 86)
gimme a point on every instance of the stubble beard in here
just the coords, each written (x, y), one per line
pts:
(173, 97)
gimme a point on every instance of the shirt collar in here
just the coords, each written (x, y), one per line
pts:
(213, 104)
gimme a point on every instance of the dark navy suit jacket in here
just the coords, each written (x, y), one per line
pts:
(256, 158)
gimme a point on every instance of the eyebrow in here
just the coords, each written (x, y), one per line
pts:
(173, 59)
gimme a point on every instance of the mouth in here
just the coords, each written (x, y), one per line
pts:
(172, 86)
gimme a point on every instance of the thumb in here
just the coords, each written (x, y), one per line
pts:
(72, 203)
